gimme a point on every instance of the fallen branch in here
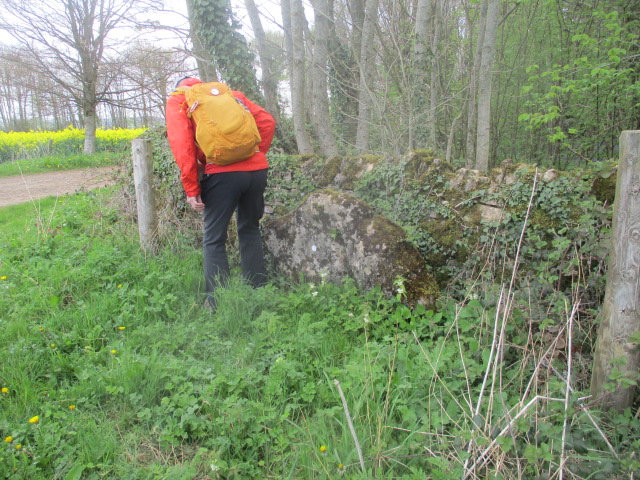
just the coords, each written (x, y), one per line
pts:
(353, 431)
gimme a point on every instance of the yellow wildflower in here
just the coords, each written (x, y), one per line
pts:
(53, 345)
(4, 277)
(5, 390)
(8, 439)
(35, 419)
(120, 285)
(121, 328)
(41, 328)
(323, 448)
(18, 446)
(113, 352)
(72, 407)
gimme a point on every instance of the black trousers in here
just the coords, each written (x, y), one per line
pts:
(222, 194)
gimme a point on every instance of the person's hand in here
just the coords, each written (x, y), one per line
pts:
(196, 203)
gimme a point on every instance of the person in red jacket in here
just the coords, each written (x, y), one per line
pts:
(218, 191)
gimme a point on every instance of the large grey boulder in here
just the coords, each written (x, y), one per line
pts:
(336, 235)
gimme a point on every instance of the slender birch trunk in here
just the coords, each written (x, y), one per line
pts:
(321, 117)
(484, 86)
(293, 18)
(365, 85)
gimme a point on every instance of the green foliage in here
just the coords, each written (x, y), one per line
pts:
(130, 377)
(288, 184)
(590, 93)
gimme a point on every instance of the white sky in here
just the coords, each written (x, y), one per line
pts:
(269, 9)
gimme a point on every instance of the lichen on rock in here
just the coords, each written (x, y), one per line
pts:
(336, 235)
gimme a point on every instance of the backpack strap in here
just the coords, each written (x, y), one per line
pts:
(180, 90)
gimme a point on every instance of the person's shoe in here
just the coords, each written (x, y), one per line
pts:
(209, 305)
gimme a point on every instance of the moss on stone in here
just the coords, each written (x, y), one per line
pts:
(352, 169)
(370, 158)
(385, 232)
(604, 189)
(542, 220)
(328, 171)
(422, 155)
(423, 168)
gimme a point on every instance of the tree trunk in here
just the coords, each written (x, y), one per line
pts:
(297, 69)
(433, 100)
(484, 86)
(472, 106)
(452, 131)
(90, 125)
(206, 66)
(419, 129)
(321, 117)
(357, 11)
(269, 81)
(365, 84)
(616, 351)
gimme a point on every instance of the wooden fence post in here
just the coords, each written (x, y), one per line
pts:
(616, 353)
(143, 181)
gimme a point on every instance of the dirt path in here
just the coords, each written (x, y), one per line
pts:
(19, 189)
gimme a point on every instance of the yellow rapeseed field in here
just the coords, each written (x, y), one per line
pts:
(21, 145)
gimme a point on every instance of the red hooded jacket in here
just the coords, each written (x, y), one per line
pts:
(191, 159)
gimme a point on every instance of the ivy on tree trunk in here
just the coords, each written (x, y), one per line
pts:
(218, 31)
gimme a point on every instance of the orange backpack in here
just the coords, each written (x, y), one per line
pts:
(225, 129)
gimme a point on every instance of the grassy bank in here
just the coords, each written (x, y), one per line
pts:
(111, 369)
(57, 163)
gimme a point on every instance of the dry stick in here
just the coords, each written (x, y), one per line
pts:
(353, 431)
(508, 301)
(498, 363)
(481, 460)
(486, 373)
(587, 413)
(567, 394)
(509, 297)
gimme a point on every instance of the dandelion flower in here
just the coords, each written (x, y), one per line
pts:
(120, 285)
(8, 439)
(72, 407)
(41, 328)
(35, 419)
(5, 390)
(4, 277)
(121, 328)
(323, 448)
(18, 446)
(113, 352)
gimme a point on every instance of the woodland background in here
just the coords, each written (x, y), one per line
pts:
(112, 369)
(543, 81)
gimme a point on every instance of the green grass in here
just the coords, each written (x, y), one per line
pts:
(66, 162)
(131, 378)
